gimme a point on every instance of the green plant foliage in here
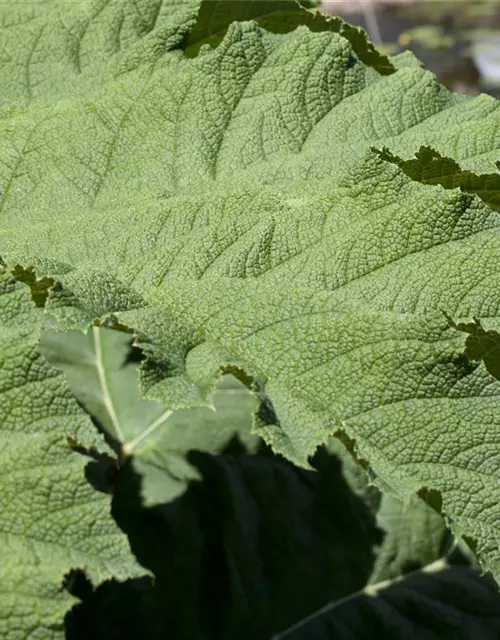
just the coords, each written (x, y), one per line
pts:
(51, 518)
(252, 211)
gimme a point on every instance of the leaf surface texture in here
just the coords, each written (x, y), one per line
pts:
(228, 207)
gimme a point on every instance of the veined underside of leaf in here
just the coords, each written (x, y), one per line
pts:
(228, 208)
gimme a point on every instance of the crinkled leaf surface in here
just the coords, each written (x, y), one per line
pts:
(51, 518)
(228, 208)
(50, 48)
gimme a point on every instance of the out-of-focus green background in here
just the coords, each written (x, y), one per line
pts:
(459, 41)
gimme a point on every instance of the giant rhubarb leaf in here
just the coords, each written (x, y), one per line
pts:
(229, 207)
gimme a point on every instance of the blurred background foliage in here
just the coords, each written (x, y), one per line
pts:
(459, 41)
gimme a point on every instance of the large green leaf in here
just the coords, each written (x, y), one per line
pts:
(228, 208)
(51, 518)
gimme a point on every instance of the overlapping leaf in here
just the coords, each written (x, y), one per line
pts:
(481, 345)
(102, 374)
(253, 546)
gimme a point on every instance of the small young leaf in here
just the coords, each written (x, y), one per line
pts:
(103, 376)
